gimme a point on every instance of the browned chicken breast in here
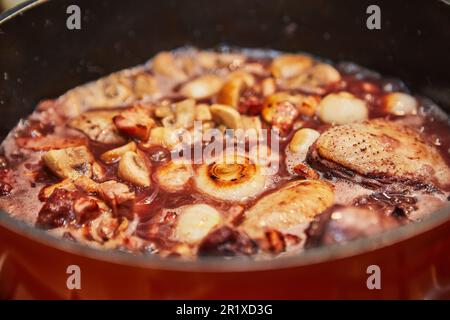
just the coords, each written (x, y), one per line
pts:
(381, 152)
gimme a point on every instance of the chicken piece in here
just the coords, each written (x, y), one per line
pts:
(98, 126)
(296, 203)
(342, 224)
(67, 206)
(70, 162)
(119, 198)
(377, 152)
(135, 122)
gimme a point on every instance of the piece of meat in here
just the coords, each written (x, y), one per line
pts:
(226, 241)
(341, 224)
(294, 204)
(66, 206)
(377, 152)
(98, 126)
(119, 197)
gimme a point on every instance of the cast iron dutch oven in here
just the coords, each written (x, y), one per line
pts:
(41, 58)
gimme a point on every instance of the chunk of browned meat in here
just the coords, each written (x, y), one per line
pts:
(380, 151)
(135, 122)
(119, 197)
(226, 241)
(67, 206)
(98, 126)
(342, 224)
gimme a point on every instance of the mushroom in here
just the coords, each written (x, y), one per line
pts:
(114, 155)
(302, 140)
(226, 115)
(231, 178)
(163, 111)
(132, 168)
(289, 65)
(202, 87)
(185, 113)
(231, 90)
(202, 112)
(69, 162)
(163, 136)
(251, 123)
(268, 86)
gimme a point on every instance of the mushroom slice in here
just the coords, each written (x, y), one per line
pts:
(132, 168)
(166, 65)
(70, 162)
(233, 87)
(296, 203)
(289, 65)
(202, 87)
(114, 155)
(135, 122)
(174, 176)
(297, 152)
(195, 222)
(231, 178)
(226, 115)
(98, 126)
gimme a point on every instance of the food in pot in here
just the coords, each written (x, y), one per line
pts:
(228, 153)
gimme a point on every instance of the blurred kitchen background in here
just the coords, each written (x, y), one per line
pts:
(8, 4)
